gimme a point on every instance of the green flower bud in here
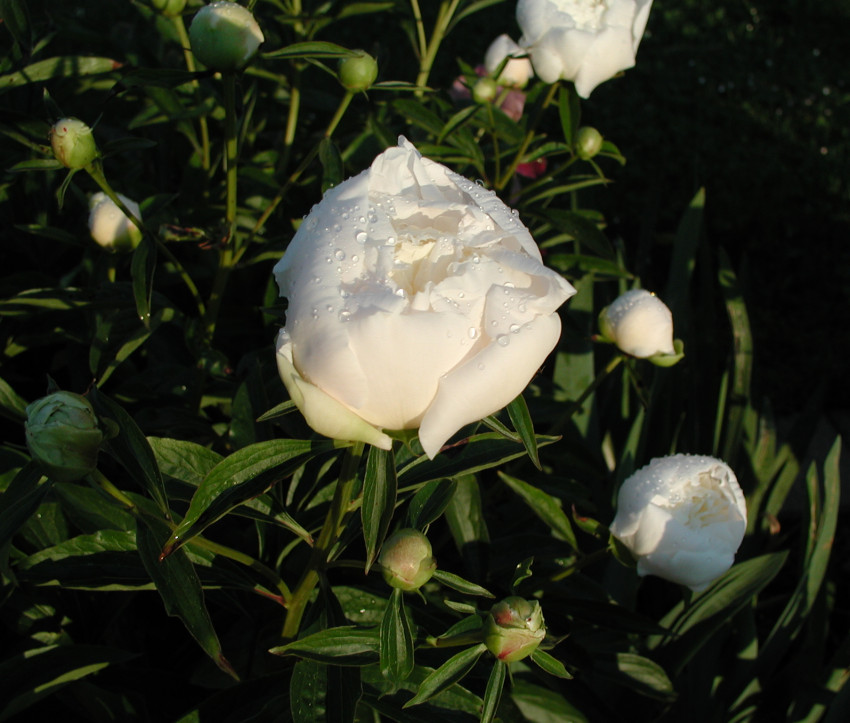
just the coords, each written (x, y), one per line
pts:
(171, 8)
(224, 36)
(358, 72)
(514, 628)
(485, 90)
(406, 560)
(588, 142)
(73, 143)
(63, 436)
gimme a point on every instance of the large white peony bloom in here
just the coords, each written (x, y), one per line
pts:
(683, 517)
(416, 299)
(586, 41)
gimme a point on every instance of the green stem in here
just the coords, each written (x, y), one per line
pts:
(529, 136)
(180, 26)
(291, 120)
(420, 29)
(593, 557)
(576, 405)
(328, 537)
(444, 18)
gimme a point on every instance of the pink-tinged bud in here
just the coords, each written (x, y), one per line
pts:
(63, 436)
(224, 36)
(358, 72)
(514, 628)
(73, 143)
(406, 560)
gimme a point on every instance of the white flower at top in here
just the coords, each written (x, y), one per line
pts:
(683, 518)
(586, 41)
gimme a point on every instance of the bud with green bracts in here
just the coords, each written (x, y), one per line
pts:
(406, 560)
(514, 628)
(73, 143)
(358, 71)
(63, 436)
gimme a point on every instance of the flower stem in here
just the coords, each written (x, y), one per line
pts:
(333, 526)
(441, 26)
(576, 405)
(180, 27)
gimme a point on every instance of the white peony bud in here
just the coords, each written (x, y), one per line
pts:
(110, 227)
(224, 36)
(639, 323)
(517, 71)
(73, 143)
(683, 518)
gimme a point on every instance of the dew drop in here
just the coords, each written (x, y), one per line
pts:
(473, 332)
(503, 340)
(481, 367)
(339, 254)
(355, 258)
(361, 237)
(344, 315)
(514, 328)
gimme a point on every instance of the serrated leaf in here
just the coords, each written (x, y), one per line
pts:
(246, 473)
(379, 495)
(341, 646)
(396, 652)
(546, 507)
(449, 673)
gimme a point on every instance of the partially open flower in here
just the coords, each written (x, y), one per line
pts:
(683, 518)
(517, 71)
(514, 628)
(63, 436)
(406, 560)
(358, 72)
(73, 143)
(224, 36)
(639, 323)
(110, 227)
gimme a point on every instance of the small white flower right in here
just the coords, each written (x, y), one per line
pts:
(639, 323)
(683, 518)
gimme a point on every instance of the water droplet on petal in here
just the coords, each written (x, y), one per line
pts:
(473, 332)
(514, 328)
(340, 254)
(503, 340)
(361, 237)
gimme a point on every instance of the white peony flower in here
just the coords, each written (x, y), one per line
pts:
(416, 299)
(639, 323)
(586, 41)
(683, 518)
(517, 71)
(110, 227)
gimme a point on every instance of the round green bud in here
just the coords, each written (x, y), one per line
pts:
(514, 628)
(485, 90)
(63, 436)
(73, 143)
(406, 560)
(224, 36)
(358, 72)
(588, 142)
(171, 8)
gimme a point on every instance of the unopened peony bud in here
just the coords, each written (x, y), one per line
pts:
(485, 90)
(406, 560)
(110, 227)
(517, 71)
(63, 436)
(224, 36)
(358, 72)
(588, 142)
(683, 518)
(514, 628)
(73, 143)
(639, 323)
(171, 8)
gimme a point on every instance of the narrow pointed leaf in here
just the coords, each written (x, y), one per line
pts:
(456, 582)
(546, 507)
(379, 495)
(21, 499)
(449, 673)
(396, 641)
(340, 646)
(550, 664)
(521, 419)
(493, 692)
(430, 502)
(142, 270)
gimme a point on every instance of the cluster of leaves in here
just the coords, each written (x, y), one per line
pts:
(217, 499)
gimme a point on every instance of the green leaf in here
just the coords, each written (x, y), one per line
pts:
(180, 589)
(457, 120)
(142, 270)
(12, 405)
(68, 66)
(16, 18)
(456, 582)
(583, 229)
(465, 517)
(36, 164)
(546, 507)
(430, 502)
(131, 449)
(550, 664)
(449, 673)
(493, 692)
(21, 499)
(332, 166)
(638, 673)
(341, 646)
(35, 674)
(243, 475)
(379, 495)
(569, 110)
(542, 705)
(396, 653)
(309, 49)
(320, 692)
(522, 572)
(521, 419)
(185, 461)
